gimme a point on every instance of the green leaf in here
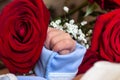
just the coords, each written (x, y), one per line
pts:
(91, 8)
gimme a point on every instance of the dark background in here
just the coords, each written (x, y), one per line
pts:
(3, 3)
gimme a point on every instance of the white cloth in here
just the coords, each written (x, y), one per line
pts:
(103, 71)
(8, 77)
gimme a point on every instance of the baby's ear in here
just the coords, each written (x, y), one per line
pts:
(103, 71)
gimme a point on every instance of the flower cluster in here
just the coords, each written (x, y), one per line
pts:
(73, 29)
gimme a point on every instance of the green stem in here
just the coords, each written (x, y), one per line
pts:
(85, 3)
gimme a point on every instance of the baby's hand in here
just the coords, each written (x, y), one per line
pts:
(59, 41)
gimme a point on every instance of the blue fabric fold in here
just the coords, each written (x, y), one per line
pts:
(52, 62)
(30, 78)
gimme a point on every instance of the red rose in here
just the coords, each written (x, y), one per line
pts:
(23, 28)
(105, 44)
(106, 36)
(107, 4)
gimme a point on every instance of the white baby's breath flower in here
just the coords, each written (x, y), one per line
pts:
(72, 29)
(71, 21)
(66, 9)
(87, 46)
(90, 31)
(58, 21)
(81, 38)
(53, 24)
(85, 41)
(83, 23)
(79, 31)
